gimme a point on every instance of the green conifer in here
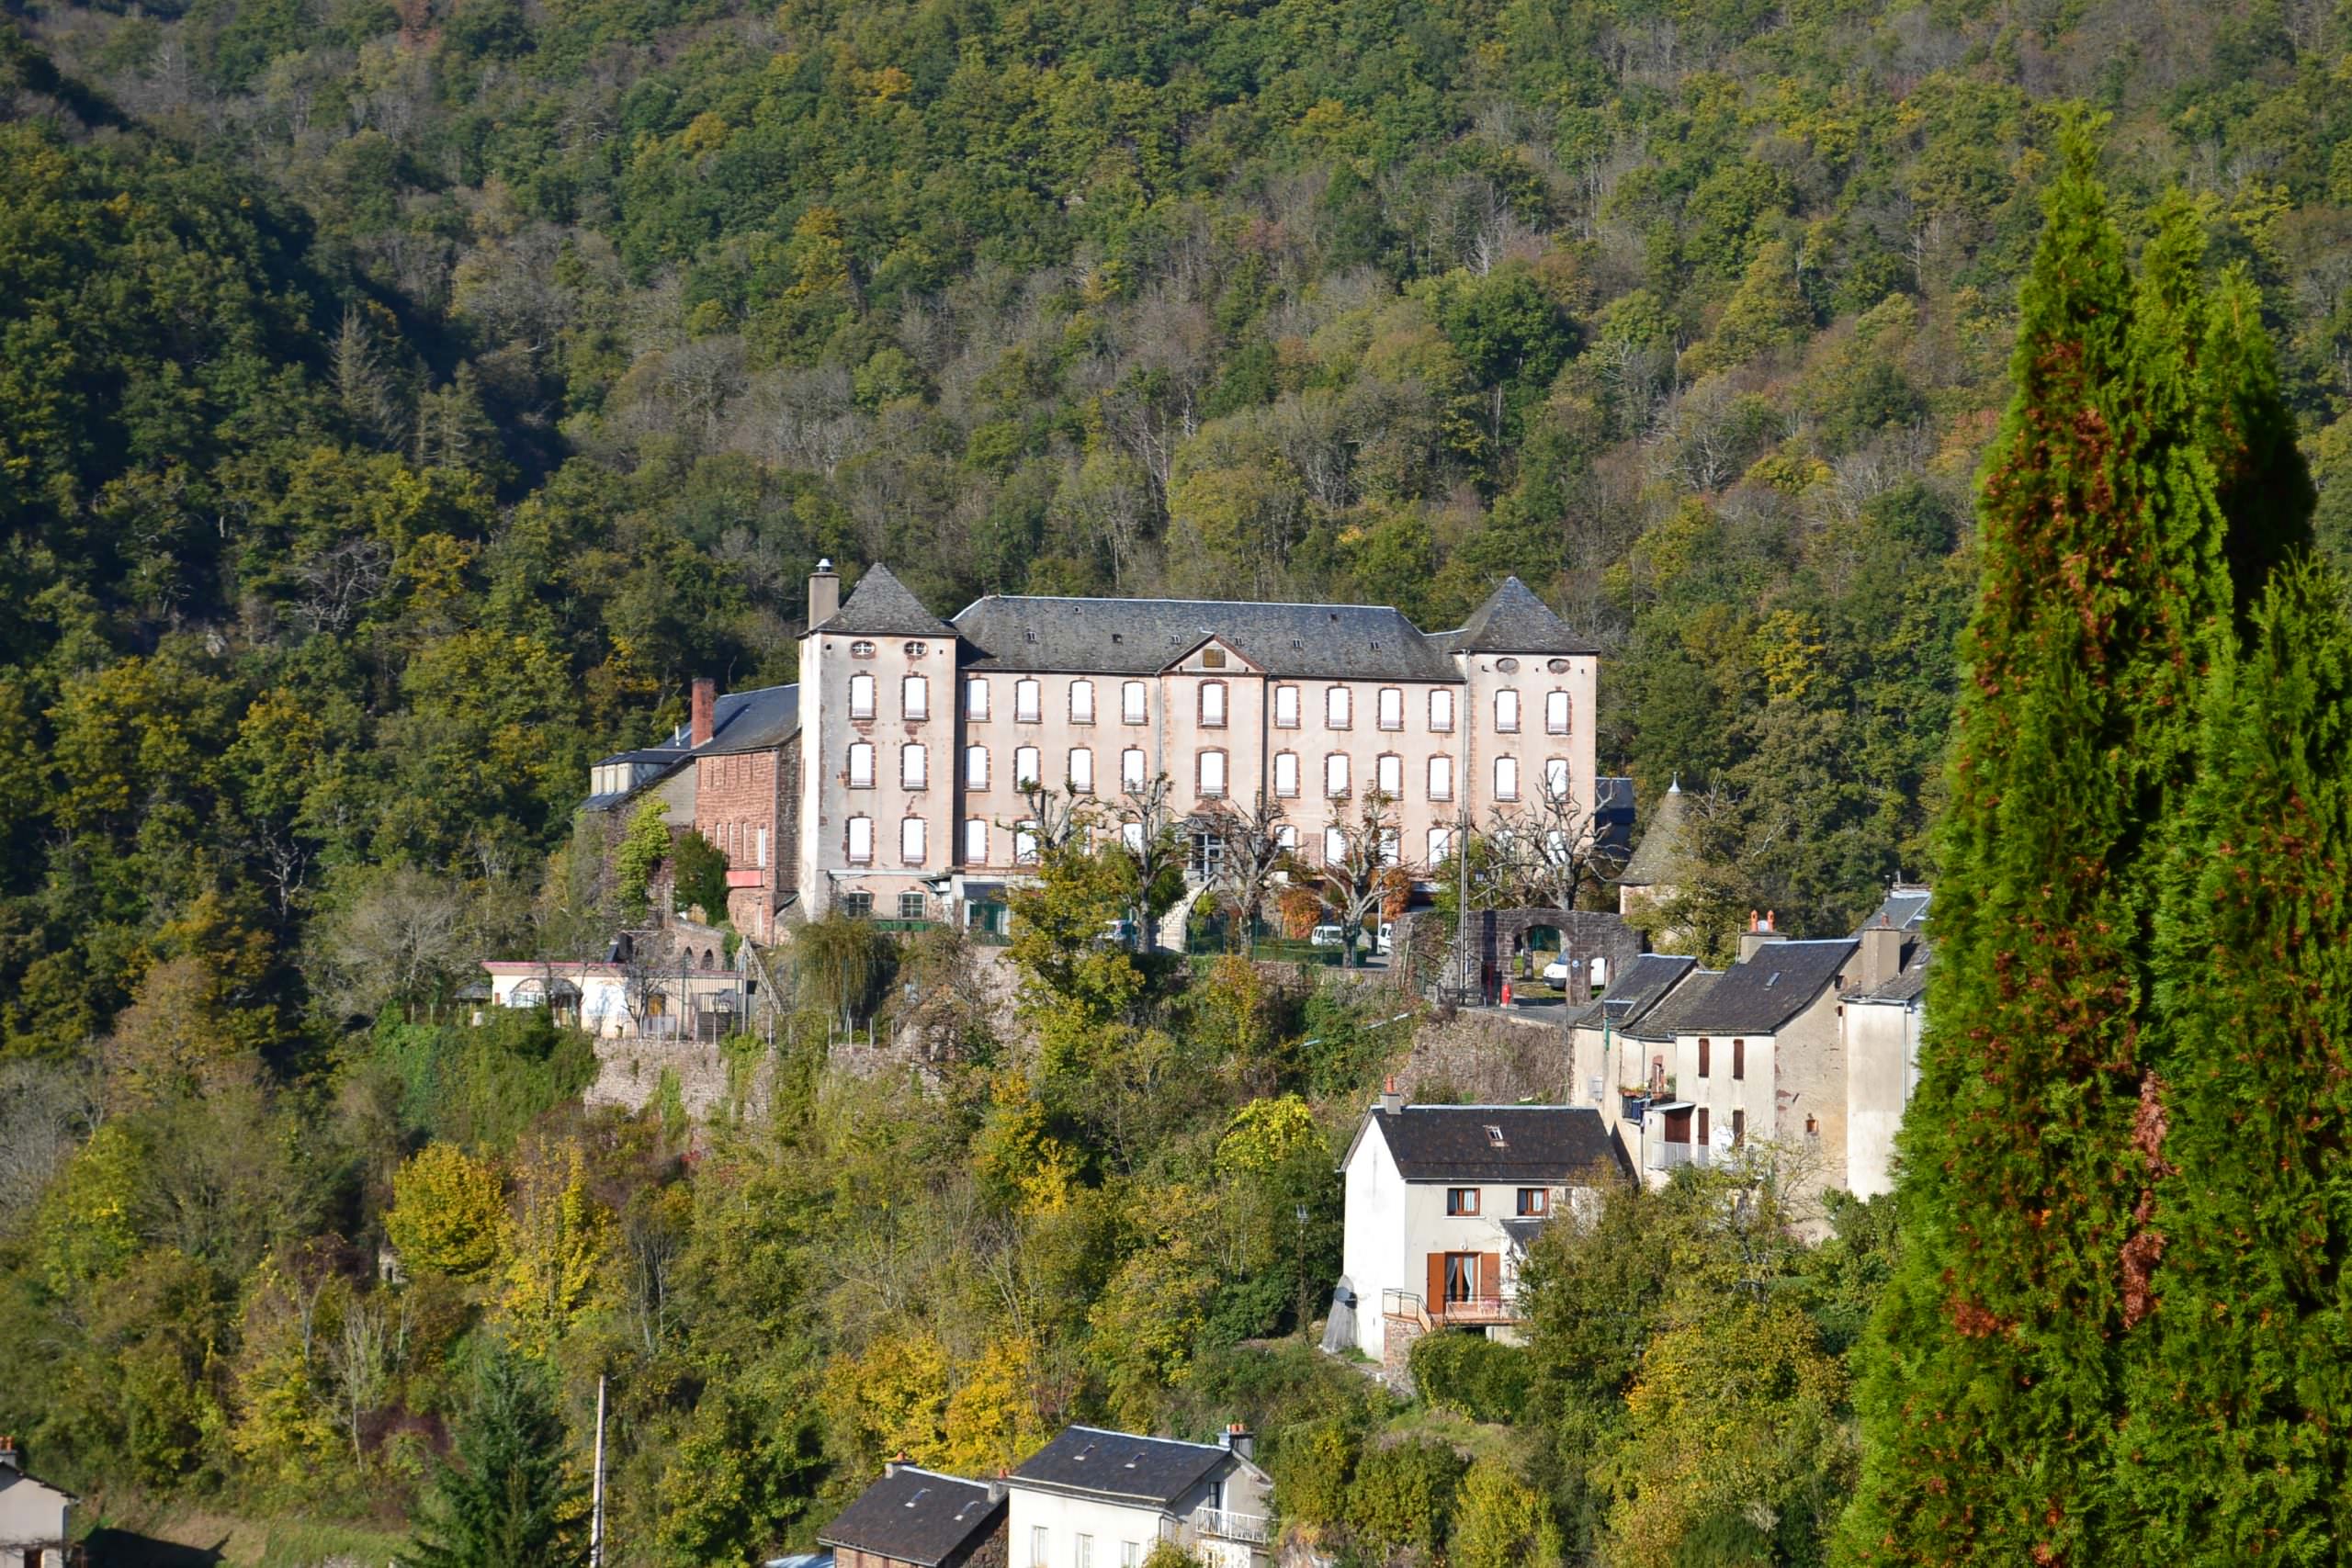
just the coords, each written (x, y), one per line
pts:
(2237, 1449)
(1993, 1375)
(505, 1499)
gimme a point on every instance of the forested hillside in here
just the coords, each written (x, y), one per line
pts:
(401, 404)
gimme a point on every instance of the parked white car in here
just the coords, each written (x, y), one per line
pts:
(1387, 931)
(1557, 972)
(1328, 936)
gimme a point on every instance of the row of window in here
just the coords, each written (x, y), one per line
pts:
(1082, 1551)
(743, 844)
(1214, 704)
(1534, 1203)
(914, 843)
(1738, 1057)
(860, 905)
(1210, 771)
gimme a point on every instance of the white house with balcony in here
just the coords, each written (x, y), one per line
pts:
(35, 1519)
(1093, 1498)
(1441, 1202)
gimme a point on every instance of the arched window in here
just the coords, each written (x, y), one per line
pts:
(1209, 779)
(861, 650)
(1506, 778)
(1081, 770)
(976, 697)
(976, 767)
(1388, 775)
(1211, 705)
(1441, 778)
(1024, 844)
(1131, 768)
(914, 697)
(1285, 774)
(1555, 713)
(1025, 708)
(915, 766)
(910, 840)
(858, 839)
(1335, 846)
(861, 696)
(1555, 778)
(861, 764)
(1392, 845)
(1440, 844)
(1285, 708)
(1507, 711)
(1392, 707)
(976, 840)
(1337, 708)
(1132, 707)
(1082, 702)
(1287, 837)
(1335, 775)
(1024, 768)
(1442, 711)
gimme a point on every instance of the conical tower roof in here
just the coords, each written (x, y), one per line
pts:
(881, 605)
(1513, 620)
(1655, 859)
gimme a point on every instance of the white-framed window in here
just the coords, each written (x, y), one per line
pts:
(976, 767)
(1025, 708)
(1082, 702)
(1037, 1548)
(1131, 768)
(1285, 708)
(1285, 774)
(1286, 836)
(861, 696)
(1081, 770)
(1335, 775)
(859, 840)
(1507, 711)
(976, 697)
(1392, 845)
(914, 697)
(1555, 778)
(1392, 707)
(915, 766)
(1388, 775)
(976, 840)
(1440, 844)
(910, 840)
(1024, 768)
(1130, 1554)
(1555, 713)
(1335, 845)
(1337, 708)
(861, 649)
(1085, 1552)
(1506, 778)
(1133, 709)
(1131, 835)
(1211, 705)
(1442, 711)
(1024, 848)
(760, 837)
(1441, 778)
(1212, 774)
(861, 764)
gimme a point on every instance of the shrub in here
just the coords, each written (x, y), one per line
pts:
(1472, 1375)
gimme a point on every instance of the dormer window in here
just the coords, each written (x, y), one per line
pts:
(1494, 1135)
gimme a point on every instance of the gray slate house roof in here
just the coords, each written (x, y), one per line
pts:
(1905, 908)
(1687, 1000)
(1909, 985)
(1644, 983)
(1091, 1461)
(1513, 620)
(1526, 1143)
(1662, 847)
(740, 721)
(1759, 994)
(1337, 642)
(881, 605)
(915, 1516)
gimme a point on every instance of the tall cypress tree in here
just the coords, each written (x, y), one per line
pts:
(1993, 1377)
(2238, 1447)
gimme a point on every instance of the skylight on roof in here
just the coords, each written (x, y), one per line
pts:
(1774, 981)
(920, 1493)
(1495, 1135)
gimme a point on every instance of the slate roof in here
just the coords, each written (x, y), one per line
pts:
(1644, 984)
(1758, 995)
(753, 720)
(1143, 637)
(1905, 908)
(1513, 620)
(915, 1516)
(1661, 1021)
(1456, 1143)
(1654, 859)
(1910, 982)
(1155, 1470)
(881, 605)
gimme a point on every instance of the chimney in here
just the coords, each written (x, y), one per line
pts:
(890, 1466)
(1240, 1440)
(824, 594)
(1392, 1102)
(1882, 955)
(706, 711)
(1759, 931)
(996, 1487)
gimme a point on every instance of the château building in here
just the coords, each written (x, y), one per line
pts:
(893, 779)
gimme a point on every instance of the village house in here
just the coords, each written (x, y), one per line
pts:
(1441, 1202)
(35, 1519)
(913, 1518)
(1098, 1499)
(890, 779)
(671, 982)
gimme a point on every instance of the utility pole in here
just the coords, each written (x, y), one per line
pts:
(596, 1505)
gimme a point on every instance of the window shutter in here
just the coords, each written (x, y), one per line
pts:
(1437, 1280)
(1702, 1055)
(1490, 1276)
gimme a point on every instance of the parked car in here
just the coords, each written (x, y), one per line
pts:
(1557, 972)
(1387, 931)
(1328, 936)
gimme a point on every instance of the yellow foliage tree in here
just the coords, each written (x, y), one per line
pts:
(994, 1421)
(1143, 1324)
(554, 1238)
(892, 1399)
(1500, 1521)
(446, 1213)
